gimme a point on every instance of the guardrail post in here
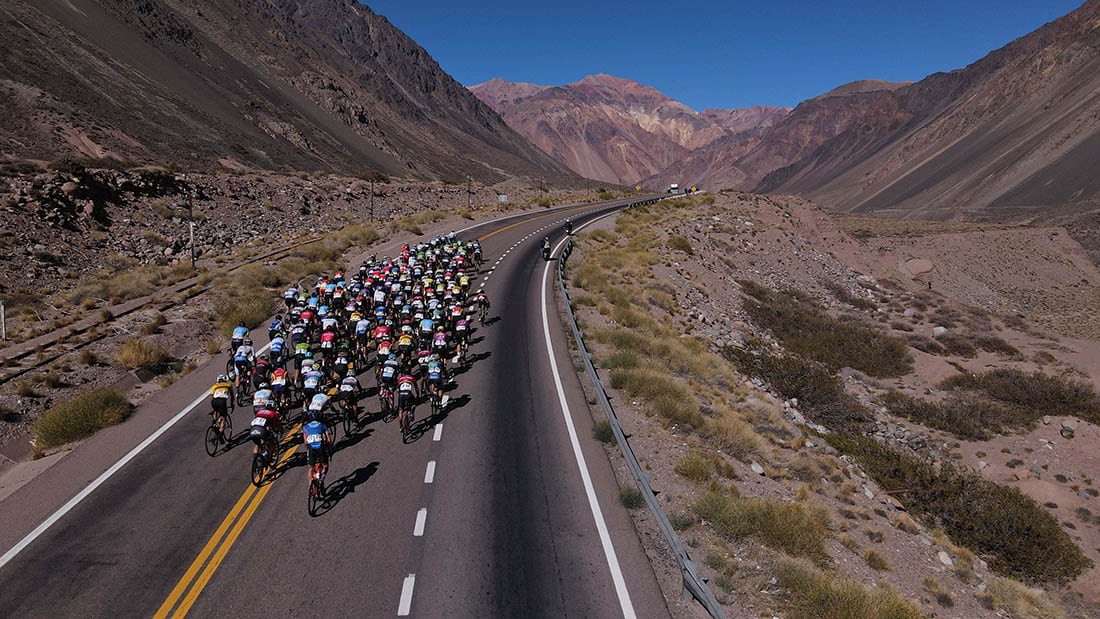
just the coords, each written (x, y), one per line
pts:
(3, 322)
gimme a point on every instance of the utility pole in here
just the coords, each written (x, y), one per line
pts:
(3, 322)
(191, 224)
(372, 199)
(469, 193)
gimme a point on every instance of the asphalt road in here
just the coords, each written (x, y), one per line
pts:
(484, 515)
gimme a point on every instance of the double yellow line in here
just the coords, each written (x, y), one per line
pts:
(210, 558)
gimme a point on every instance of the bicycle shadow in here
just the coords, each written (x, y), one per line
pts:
(425, 425)
(341, 488)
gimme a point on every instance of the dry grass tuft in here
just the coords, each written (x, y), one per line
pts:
(80, 417)
(822, 595)
(138, 353)
(794, 528)
(1021, 601)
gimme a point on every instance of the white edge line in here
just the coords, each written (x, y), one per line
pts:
(99, 481)
(429, 473)
(593, 503)
(421, 520)
(405, 605)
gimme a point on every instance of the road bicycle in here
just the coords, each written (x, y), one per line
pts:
(385, 402)
(265, 458)
(349, 411)
(218, 434)
(406, 415)
(316, 486)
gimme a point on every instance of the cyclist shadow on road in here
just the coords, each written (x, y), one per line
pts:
(422, 427)
(341, 488)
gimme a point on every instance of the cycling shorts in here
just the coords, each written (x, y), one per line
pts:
(318, 455)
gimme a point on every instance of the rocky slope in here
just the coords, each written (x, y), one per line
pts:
(613, 129)
(324, 85)
(1018, 130)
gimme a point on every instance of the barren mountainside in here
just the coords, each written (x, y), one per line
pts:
(613, 129)
(1017, 130)
(275, 84)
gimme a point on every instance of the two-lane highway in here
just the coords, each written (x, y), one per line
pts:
(485, 514)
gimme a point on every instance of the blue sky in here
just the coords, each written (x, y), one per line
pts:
(715, 53)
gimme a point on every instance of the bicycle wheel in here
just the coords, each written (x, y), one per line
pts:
(230, 368)
(258, 466)
(227, 429)
(347, 418)
(213, 441)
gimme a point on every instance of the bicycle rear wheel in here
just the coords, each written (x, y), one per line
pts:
(213, 441)
(347, 419)
(258, 466)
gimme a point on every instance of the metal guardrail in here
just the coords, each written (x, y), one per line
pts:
(689, 571)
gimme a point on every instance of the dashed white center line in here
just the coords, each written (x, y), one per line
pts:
(421, 519)
(405, 605)
(429, 474)
(438, 432)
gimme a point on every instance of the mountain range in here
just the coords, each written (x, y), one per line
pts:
(1016, 131)
(323, 85)
(613, 129)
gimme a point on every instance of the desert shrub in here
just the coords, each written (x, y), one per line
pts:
(1020, 600)
(680, 243)
(820, 393)
(88, 357)
(631, 497)
(138, 353)
(1021, 539)
(605, 195)
(155, 323)
(603, 432)
(965, 416)
(958, 345)
(253, 310)
(602, 235)
(695, 466)
(789, 527)
(544, 202)
(1036, 393)
(875, 560)
(663, 395)
(841, 293)
(926, 344)
(994, 344)
(316, 252)
(804, 328)
(80, 417)
(734, 436)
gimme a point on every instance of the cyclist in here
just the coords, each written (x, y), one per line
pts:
(340, 364)
(239, 333)
(462, 338)
(311, 381)
(265, 427)
(317, 438)
(243, 359)
(568, 226)
(349, 391)
(546, 247)
(220, 394)
(317, 406)
(407, 394)
(262, 372)
(483, 305)
(278, 387)
(276, 327)
(434, 378)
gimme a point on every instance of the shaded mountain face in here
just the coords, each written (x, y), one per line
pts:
(1017, 131)
(274, 84)
(612, 129)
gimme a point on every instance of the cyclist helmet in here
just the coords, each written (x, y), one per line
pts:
(308, 354)
(247, 341)
(240, 324)
(392, 357)
(263, 357)
(222, 378)
(265, 385)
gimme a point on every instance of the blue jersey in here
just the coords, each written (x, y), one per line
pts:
(277, 345)
(427, 325)
(313, 434)
(240, 333)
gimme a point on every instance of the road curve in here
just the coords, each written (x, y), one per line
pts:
(483, 515)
